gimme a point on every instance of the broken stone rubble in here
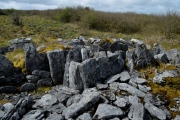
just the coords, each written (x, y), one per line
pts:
(118, 95)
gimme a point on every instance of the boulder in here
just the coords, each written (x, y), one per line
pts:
(84, 116)
(131, 90)
(19, 109)
(4, 50)
(124, 76)
(134, 99)
(157, 49)
(35, 61)
(20, 40)
(121, 101)
(89, 72)
(21, 43)
(44, 74)
(155, 111)
(46, 82)
(34, 115)
(110, 66)
(101, 86)
(139, 80)
(29, 87)
(80, 107)
(57, 64)
(105, 45)
(112, 78)
(136, 41)
(162, 58)
(6, 67)
(173, 56)
(8, 107)
(76, 42)
(73, 99)
(110, 95)
(57, 108)
(41, 73)
(32, 78)
(62, 96)
(118, 46)
(8, 89)
(45, 102)
(55, 116)
(136, 112)
(106, 111)
(143, 57)
(158, 78)
(114, 86)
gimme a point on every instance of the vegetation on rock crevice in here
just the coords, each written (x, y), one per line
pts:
(170, 89)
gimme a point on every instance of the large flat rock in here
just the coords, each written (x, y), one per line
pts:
(46, 101)
(131, 90)
(136, 112)
(106, 111)
(88, 99)
(155, 112)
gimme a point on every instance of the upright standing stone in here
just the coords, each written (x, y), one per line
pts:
(56, 64)
(6, 67)
(73, 55)
(35, 61)
(89, 72)
(75, 80)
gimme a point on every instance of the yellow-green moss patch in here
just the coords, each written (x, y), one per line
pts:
(17, 57)
(110, 40)
(54, 47)
(41, 90)
(4, 101)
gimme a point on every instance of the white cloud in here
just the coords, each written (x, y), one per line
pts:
(139, 6)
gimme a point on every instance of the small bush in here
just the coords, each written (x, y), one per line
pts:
(16, 19)
(88, 21)
(65, 15)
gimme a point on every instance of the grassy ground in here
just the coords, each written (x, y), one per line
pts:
(45, 31)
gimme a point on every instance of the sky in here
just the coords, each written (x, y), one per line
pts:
(137, 6)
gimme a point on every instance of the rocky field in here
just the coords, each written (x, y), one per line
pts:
(89, 78)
